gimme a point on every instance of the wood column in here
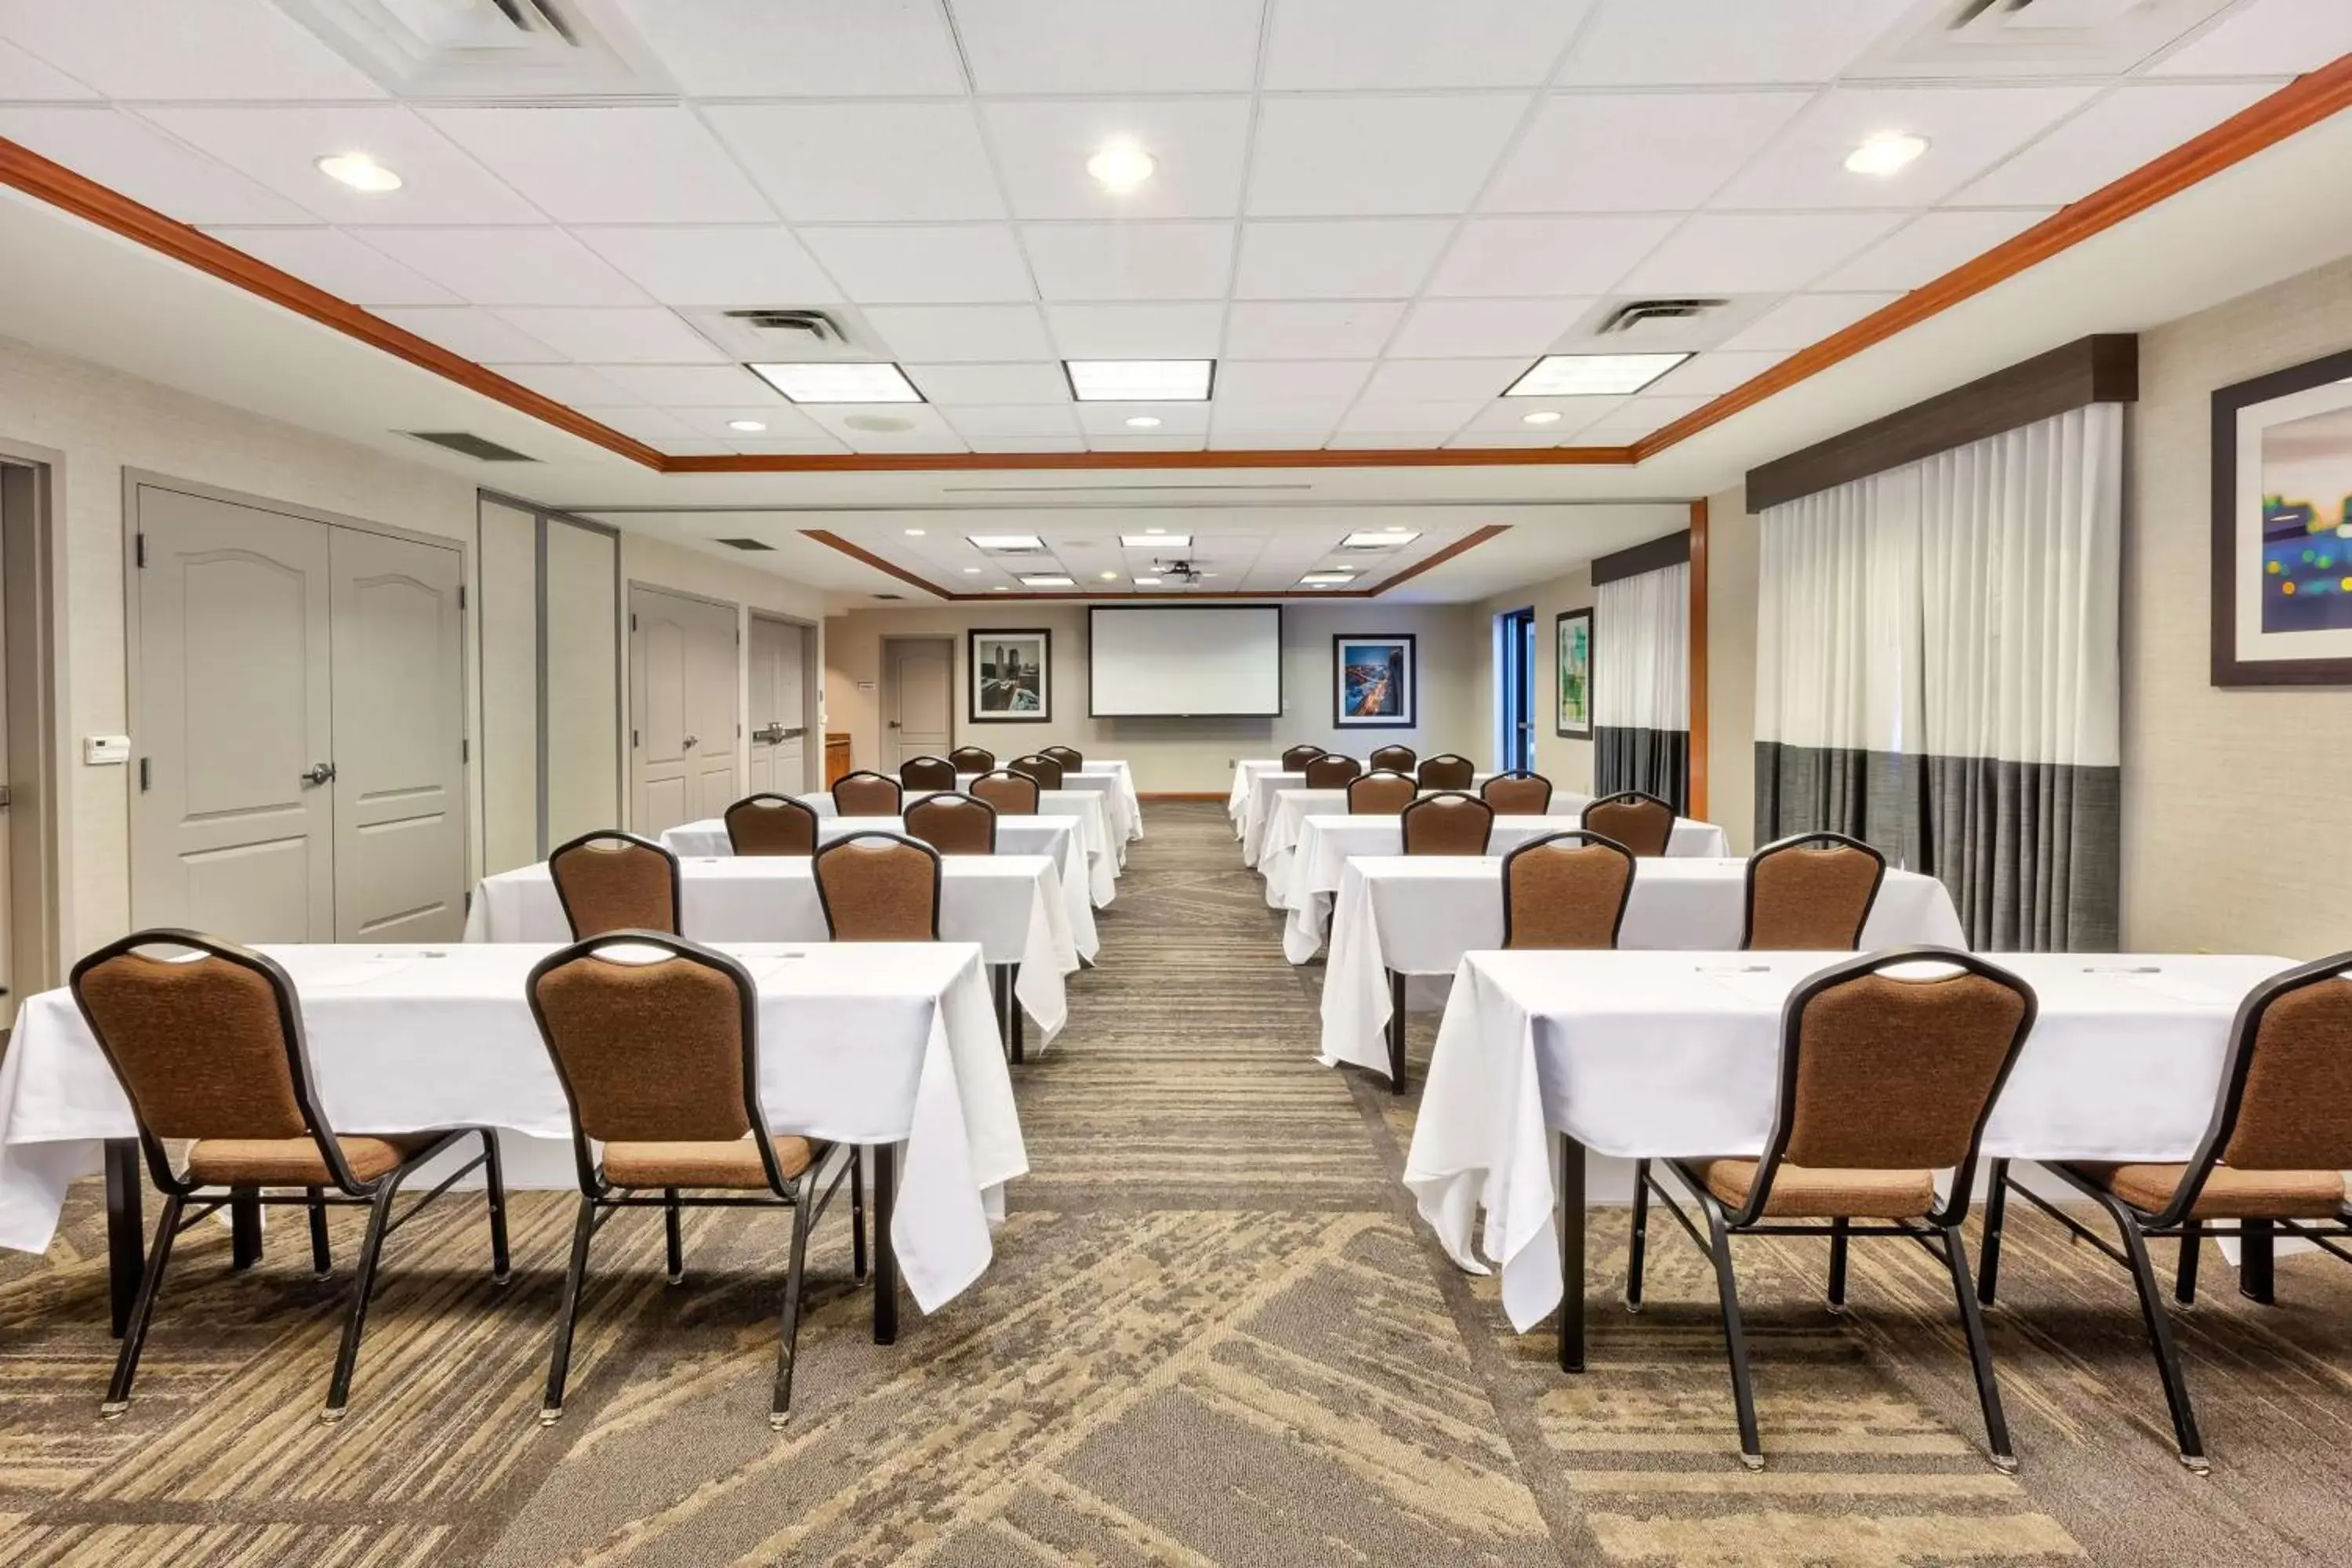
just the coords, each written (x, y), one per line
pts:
(1698, 659)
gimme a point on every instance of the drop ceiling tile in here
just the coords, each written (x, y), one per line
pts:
(812, 446)
(1400, 415)
(1642, 416)
(24, 79)
(1043, 419)
(1199, 146)
(1248, 438)
(1930, 245)
(1131, 261)
(1547, 436)
(280, 146)
(863, 163)
(123, 154)
(801, 49)
(1806, 319)
(961, 264)
(1968, 128)
(1100, 419)
(2131, 125)
(575, 386)
(1340, 259)
(1520, 328)
(693, 385)
(1028, 444)
(1636, 151)
(959, 332)
(783, 422)
(1387, 440)
(920, 428)
(1134, 332)
(1575, 414)
(644, 424)
(1354, 329)
(473, 334)
(1153, 442)
(742, 267)
(614, 336)
(703, 449)
(991, 385)
(1733, 253)
(1321, 45)
(508, 266)
(1426, 154)
(342, 266)
(1718, 370)
(220, 50)
(1289, 383)
(1537, 255)
(609, 163)
(1016, 46)
(1273, 418)
(1669, 42)
(1442, 380)
(2268, 37)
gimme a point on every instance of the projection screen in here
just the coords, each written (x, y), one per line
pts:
(1193, 662)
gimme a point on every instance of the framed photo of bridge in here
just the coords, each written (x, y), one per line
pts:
(2282, 603)
(1375, 682)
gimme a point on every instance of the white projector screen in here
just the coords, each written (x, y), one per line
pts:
(1192, 662)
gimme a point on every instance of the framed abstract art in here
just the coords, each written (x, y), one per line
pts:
(1572, 631)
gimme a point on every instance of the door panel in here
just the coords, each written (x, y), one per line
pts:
(922, 676)
(585, 742)
(776, 671)
(685, 683)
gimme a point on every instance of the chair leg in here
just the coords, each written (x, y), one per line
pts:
(322, 1260)
(1396, 1032)
(2256, 1282)
(1638, 1243)
(1838, 1239)
(779, 1410)
(858, 1212)
(1735, 1336)
(2184, 1283)
(494, 1175)
(558, 1367)
(1979, 1353)
(2159, 1338)
(1996, 1210)
(347, 1358)
(677, 1243)
(142, 1307)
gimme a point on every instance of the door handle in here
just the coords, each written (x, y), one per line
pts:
(690, 742)
(893, 723)
(319, 772)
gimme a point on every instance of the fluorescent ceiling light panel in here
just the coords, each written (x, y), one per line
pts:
(1327, 579)
(1157, 541)
(1050, 582)
(1591, 375)
(1140, 379)
(1005, 541)
(840, 383)
(1147, 582)
(1376, 540)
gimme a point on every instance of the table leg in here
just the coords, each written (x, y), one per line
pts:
(244, 1228)
(126, 1250)
(1016, 1026)
(886, 1249)
(2255, 1281)
(1572, 1253)
(1396, 1032)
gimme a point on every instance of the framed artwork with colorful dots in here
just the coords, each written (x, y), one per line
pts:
(2283, 528)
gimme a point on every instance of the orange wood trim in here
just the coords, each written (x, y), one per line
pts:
(1181, 795)
(2302, 104)
(1305, 457)
(827, 537)
(1698, 726)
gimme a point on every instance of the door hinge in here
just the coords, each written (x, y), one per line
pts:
(633, 738)
(461, 595)
(138, 547)
(739, 732)
(144, 779)
(465, 749)
(633, 620)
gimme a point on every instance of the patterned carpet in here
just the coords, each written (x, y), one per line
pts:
(1213, 1335)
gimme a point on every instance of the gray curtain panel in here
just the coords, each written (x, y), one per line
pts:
(1655, 762)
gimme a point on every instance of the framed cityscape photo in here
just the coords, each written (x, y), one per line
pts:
(1011, 677)
(1572, 630)
(2281, 604)
(1375, 680)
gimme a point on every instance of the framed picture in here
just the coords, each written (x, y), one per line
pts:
(2283, 528)
(1375, 680)
(1572, 630)
(1011, 677)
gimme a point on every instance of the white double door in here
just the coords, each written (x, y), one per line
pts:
(300, 754)
(776, 677)
(685, 702)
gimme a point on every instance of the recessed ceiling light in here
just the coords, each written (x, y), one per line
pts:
(971, 571)
(1004, 541)
(1582, 375)
(1121, 166)
(882, 382)
(1140, 379)
(1109, 576)
(358, 170)
(914, 534)
(1157, 538)
(1147, 582)
(1144, 422)
(1382, 539)
(1050, 580)
(999, 588)
(1541, 416)
(748, 426)
(1163, 531)
(1886, 152)
(880, 424)
(1327, 579)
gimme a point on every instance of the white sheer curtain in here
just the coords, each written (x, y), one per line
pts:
(1640, 683)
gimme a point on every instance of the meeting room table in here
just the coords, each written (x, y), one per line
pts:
(1056, 837)
(1663, 1054)
(893, 1047)
(1399, 915)
(1289, 809)
(1106, 852)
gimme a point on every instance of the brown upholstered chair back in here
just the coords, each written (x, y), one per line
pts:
(973, 759)
(1380, 795)
(1395, 759)
(1450, 823)
(1331, 770)
(653, 1043)
(1642, 823)
(1811, 893)
(1044, 769)
(1565, 889)
(1071, 760)
(1517, 794)
(610, 880)
(866, 794)
(1448, 772)
(879, 887)
(927, 773)
(1011, 793)
(953, 824)
(1298, 757)
(2291, 1067)
(769, 823)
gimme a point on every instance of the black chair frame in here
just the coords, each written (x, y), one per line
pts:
(617, 836)
(1799, 841)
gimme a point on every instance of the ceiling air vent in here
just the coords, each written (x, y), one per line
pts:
(471, 446)
(529, 49)
(814, 326)
(2033, 37)
(744, 543)
(889, 596)
(1636, 314)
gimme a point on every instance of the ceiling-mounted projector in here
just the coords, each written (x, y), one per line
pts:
(1183, 571)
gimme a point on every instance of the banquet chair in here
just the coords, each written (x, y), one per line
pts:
(770, 824)
(655, 1041)
(1071, 761)
(866, 794)
(1642, 823)
(2272, 1162)
(927, 773)
(971, 759)
(1038, 766)
(1298, 757)
(1518, 794)
(1381, 794)
(1565, 889)
(1448, 823)
(1394, 759)
(1011, 793)
(1332, 771)
(210, 1046)
(612, 880)
(953, 824)
(879, 887)
(1810, 892)
(1448, 772)
(1884, 1081)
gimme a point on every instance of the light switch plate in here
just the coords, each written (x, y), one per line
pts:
(106, 750)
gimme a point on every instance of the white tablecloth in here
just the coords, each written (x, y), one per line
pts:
(1326, 844)
(1657, 1055)
(868, 1044)
(1056, 837)
(1012, 905)
(1106, 853)
(1246, 772)
(1420, 915)
(1289, 809)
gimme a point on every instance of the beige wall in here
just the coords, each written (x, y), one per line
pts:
(1175, 755)
(2227, 795)
(1731, 562)
(1567, 764)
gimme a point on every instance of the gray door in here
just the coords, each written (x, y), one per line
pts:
(400, 727)
(778, 671)
(683, 683)
(232, 827)
(921, 700)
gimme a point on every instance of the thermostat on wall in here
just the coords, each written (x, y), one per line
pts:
(106, 750)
